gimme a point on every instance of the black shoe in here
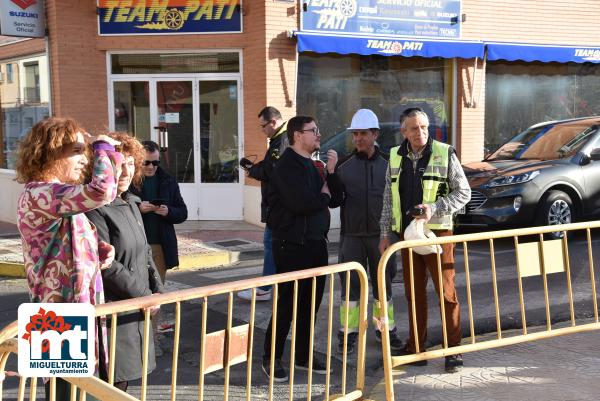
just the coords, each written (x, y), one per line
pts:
(454, 363)
(279, 373)
(395, 341)
(318, 366)
(404, 351)
(350, 343)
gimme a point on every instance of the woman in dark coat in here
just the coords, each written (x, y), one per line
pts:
(133, 273)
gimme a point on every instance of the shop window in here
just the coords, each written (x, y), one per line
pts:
(22, 105)
(174, 63)
(219, 131)
(520, 94)
(9, 73)
(32, 82)
(132, 108)
(332, 87)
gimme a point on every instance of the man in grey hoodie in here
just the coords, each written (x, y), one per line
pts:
(360, 179)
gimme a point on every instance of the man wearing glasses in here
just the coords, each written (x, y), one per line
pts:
(298, 199)
(274, 128)
(162, 206)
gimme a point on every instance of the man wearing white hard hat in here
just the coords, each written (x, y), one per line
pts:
(360, 178)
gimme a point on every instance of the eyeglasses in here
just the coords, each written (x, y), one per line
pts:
(314, 130)
(265, 124)
(155, 163)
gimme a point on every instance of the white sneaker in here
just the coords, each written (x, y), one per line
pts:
(261, 295)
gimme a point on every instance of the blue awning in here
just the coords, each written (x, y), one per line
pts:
(388, 46)
(543, 53)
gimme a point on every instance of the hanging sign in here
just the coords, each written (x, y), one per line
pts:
(22, 18)
(165, 17)
(422, 18)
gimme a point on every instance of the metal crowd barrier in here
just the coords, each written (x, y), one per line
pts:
(222, 349)
(533, 258)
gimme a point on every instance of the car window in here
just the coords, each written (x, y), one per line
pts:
(547, 142)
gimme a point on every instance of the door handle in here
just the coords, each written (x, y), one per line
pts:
(163, 138)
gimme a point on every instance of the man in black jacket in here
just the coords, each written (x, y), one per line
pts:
(360, 178)
(274, 128)
(298, 217)
(162, 206)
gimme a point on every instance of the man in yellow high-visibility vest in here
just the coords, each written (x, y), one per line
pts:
(425, 176)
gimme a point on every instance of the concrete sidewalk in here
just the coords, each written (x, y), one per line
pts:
(202, 245)
(557, 369)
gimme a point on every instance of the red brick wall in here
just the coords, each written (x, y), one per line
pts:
(536, 21)
(22, 48)
(470, 110)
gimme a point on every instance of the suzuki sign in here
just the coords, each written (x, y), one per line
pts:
(22, 18)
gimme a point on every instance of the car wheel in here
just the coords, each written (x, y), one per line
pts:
(556, 208)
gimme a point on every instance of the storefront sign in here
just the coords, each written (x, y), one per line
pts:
(164, 17)
(320, 43)
(22, 18)
(423, 18)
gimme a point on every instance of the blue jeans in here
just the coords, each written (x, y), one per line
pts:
(268, 262)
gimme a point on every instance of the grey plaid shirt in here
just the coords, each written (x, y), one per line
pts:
(460, 193)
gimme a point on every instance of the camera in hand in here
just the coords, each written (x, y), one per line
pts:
(245, 163)
(416, 211)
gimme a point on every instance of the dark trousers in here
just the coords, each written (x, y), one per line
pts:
(291, 257)
(364, 250)
(422, 266)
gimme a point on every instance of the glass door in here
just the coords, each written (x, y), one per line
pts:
(196, 123)
(175, 131)
(221, 193)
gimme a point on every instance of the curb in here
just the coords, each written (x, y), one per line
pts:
(205, 260)
(12, 269)
(186, 262)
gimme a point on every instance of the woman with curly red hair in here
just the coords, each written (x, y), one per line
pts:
(61, 251)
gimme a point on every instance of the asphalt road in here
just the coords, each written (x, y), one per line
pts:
(12, 293)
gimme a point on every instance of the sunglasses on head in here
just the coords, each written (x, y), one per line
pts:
(155, 163)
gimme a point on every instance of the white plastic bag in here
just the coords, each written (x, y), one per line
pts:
(418, 230)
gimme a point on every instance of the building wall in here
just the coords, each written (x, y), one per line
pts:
(535, 21)
(470, 106)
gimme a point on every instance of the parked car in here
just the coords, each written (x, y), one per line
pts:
(548, 174)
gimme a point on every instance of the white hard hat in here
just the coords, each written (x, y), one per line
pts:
(364, 119)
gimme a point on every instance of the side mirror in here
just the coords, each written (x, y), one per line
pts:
(595, 154)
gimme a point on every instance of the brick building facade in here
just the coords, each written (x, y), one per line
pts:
(83, 82)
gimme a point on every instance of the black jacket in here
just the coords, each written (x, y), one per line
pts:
(291, 200)
(131, 275)
(262, 170)
(168, 190)
(361, 183)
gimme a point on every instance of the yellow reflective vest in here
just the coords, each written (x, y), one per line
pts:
(435, 174)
